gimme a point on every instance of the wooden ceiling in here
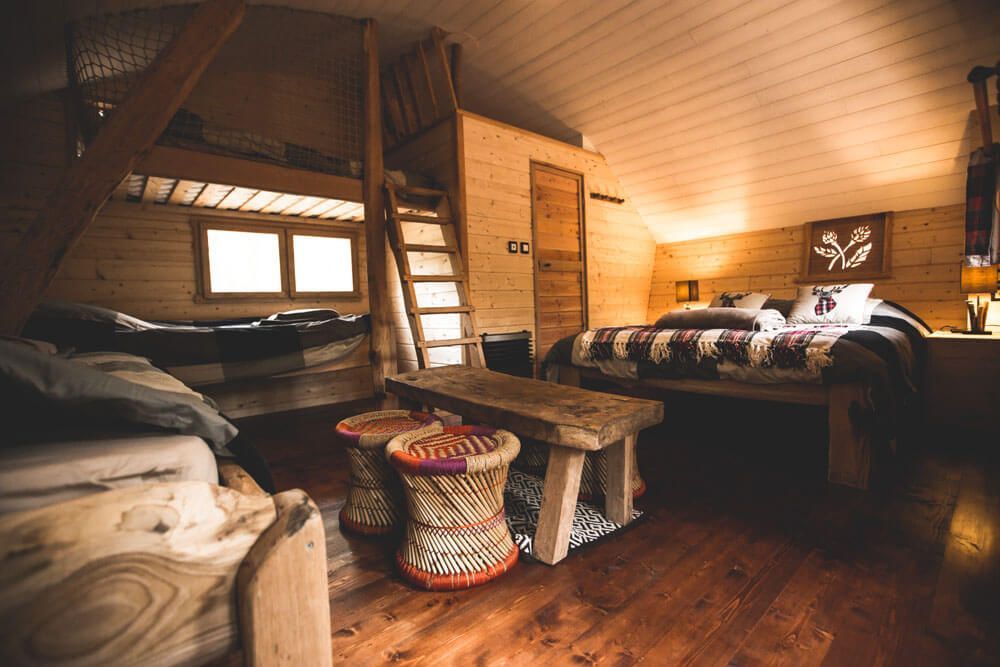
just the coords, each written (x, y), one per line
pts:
(722, 116)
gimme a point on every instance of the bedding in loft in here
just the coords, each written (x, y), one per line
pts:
(206, 352)
(886, 353)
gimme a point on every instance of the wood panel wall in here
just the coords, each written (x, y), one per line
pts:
(927, 247)
(34, 153)
(139, 259)
(496, 161)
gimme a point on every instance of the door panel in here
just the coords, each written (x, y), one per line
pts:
(560, 255)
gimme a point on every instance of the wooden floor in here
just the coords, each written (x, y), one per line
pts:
(746, 557)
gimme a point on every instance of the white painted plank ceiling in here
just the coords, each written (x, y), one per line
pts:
(722, 116)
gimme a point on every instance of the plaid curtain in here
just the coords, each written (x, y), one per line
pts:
(982, 223)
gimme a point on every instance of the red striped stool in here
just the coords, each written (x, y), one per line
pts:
(456, 530)
(374, 500)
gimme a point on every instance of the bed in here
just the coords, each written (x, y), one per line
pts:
(867, 375)
(119, 544)
(206, 352)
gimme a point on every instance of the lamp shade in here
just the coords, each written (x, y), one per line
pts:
(687, 290)
(977, 279)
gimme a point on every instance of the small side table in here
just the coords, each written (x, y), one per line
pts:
(962, 381)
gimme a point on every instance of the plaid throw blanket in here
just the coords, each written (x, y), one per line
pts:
(807, 348)
(981, 216)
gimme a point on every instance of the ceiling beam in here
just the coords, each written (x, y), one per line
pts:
(123, 139)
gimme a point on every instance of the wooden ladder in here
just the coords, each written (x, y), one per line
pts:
(435, 231)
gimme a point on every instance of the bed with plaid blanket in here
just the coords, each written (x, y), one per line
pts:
(889, 347)
(886, 355)
(202, 353)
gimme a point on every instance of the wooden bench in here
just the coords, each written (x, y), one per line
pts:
(572, 420)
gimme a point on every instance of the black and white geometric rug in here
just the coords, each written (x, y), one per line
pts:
(523, 498)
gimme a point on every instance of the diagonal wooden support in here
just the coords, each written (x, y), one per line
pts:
(123, 140)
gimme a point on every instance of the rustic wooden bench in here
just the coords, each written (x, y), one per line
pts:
(572, 420)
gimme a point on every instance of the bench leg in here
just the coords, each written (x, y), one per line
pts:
(618, 498)
(850, 457)
(555, 520)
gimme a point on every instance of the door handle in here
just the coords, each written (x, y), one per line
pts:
(546, 265)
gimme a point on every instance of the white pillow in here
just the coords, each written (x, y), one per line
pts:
(870, 306)
(751, 300)
(824, 304)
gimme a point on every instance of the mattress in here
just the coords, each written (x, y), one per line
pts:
(40, 474)
(206, 352)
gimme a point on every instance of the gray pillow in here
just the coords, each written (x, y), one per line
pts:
(110, 388)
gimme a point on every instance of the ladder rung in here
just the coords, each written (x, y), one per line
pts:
(442, 310)
(419, 247)
(434, 279)
(415, 190)
(426, 219)
(448, 342)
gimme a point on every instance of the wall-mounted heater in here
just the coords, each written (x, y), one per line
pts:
(509, 353)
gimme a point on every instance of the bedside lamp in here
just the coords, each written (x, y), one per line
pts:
(687, 291)
(978, 280)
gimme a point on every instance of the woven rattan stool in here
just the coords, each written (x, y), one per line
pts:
(534, 458)
(374, 501)
(456, 531)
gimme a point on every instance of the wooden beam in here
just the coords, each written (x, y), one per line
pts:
(118, 146)
(437, 38)
(211, 168)
(373, 186)
(456, 73)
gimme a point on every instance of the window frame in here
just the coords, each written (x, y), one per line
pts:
(284, 231)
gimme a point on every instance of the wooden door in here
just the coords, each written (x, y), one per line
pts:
(560, 255)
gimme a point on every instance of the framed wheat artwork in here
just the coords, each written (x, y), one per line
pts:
(847, 249)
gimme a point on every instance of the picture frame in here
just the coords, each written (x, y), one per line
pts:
(847, 249)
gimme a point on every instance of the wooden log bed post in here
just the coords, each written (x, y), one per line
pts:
(123, 140)
(158, 574)
(381, 355)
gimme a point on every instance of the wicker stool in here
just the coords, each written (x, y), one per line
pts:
(374, 501)
(456, 531)
(534, 458)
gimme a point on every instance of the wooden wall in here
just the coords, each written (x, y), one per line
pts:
(139, 259)
(496, 160)
(34, 153)
(927, 246)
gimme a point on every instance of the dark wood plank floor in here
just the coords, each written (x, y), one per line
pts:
(746, 557)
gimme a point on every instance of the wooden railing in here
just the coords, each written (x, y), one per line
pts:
(420, 88)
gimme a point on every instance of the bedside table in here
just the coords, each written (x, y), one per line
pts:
(962, 381)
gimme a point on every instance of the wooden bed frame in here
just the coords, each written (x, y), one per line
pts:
(849, 459)
(177, 573)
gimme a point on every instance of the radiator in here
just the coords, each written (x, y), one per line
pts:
(509, 353)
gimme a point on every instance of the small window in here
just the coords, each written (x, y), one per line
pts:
(322, 264)
(244, 260)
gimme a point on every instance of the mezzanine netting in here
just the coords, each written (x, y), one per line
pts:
(285, 88)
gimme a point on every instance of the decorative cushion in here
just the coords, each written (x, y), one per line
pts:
(870, 306)
(751, 300)
(826, 304)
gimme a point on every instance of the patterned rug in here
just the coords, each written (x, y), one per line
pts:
(522, 499)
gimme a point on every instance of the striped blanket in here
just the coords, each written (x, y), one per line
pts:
(805, 348)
